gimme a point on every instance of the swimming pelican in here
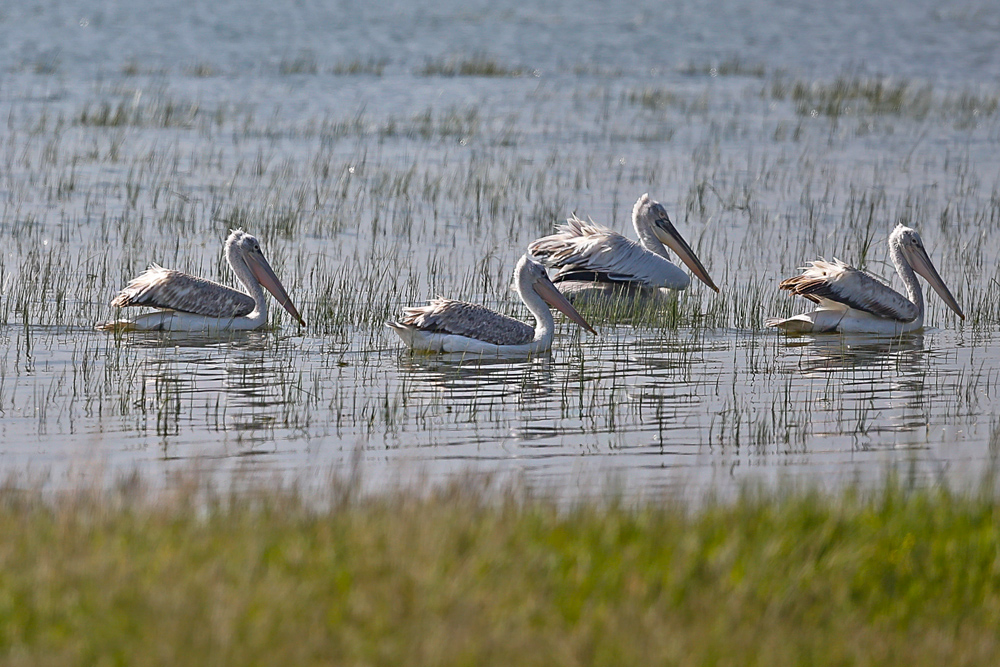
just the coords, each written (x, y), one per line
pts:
(590, 257)
(853, 301)
(187, 303)
(446, 325)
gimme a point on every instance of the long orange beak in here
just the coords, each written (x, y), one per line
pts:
(555, 298)
(265, 274)
(670, 237)
(922, 264)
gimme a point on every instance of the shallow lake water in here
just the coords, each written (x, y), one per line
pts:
(387, 154)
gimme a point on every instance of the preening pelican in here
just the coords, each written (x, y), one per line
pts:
(851, 300)
(187, 303)
(589, 256)
(446, 325)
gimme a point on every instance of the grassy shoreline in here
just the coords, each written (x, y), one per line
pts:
(267, 576)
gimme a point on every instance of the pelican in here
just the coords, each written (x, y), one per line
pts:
(590, 257)
(446, 325)
(854, 301)
(188, 303)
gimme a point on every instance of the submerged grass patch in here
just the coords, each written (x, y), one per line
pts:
(373, 66)
(858, 95)
(200, 70)
(868, 95)
(269, 576)
(167, 114)
(478, 64)
(303, 64)
(733, 66)
(651, 98)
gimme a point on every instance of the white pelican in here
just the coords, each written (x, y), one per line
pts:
(851, 300)
(446, 325)
(187, 303)
(590, 257)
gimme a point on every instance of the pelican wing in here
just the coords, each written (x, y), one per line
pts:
(172, 290)
(459, 318)
(835, 281)
(595, 252)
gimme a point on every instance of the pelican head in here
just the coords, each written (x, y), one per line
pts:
(912, 247)
(245, 248)
(531, 275)
(647, 212)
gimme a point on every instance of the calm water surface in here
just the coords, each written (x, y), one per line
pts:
(377, 174)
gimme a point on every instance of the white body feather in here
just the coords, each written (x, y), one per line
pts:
(851, 300)
(581, 246)
(590, 257)
(189, 303)
(446, 325)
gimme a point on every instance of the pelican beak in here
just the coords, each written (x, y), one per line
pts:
(265, 274)
(922, 264)
(670, 237)
(552, 296)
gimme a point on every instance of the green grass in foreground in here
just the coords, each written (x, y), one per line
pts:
(464, 578)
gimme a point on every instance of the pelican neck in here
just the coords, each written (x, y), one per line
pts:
(544, 323)
(908, 276)
(239, 266)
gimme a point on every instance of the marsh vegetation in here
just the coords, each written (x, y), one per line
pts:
(475, 573)
(376, 179)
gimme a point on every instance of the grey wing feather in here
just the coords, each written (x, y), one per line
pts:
(587, 246)
(470, 320)
(843, 284)
(167, 289)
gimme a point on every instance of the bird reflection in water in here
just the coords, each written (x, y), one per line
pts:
(904, 354)
(480, 382)
(238, 386)
(238, 340)
(871, 384)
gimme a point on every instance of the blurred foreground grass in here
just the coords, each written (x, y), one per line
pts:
(462, 576)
